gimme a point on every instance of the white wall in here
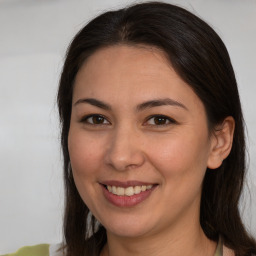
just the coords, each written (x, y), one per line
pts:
(33, 39)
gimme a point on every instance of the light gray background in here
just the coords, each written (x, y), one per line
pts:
(33, 37)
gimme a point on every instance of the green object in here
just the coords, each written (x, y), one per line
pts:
(43, 250)
(37, 250)
(219, 249)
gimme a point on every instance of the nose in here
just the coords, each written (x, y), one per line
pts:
(125, 150)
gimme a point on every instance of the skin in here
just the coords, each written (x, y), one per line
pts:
(127, 143)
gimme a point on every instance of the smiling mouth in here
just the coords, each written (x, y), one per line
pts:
(129, 191)
(127, 194)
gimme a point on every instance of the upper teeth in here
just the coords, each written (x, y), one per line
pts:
(130, 191)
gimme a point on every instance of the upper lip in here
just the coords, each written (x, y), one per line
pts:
(125, 184)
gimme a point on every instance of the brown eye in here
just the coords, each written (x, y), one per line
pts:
(95, 120)
(159, 120)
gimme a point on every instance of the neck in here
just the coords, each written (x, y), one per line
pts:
(186, 240)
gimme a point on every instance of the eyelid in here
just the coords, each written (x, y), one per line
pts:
(85, 118)
(170, 120)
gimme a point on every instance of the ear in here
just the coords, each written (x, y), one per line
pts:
(221, 142)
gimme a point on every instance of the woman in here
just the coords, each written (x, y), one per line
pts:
(148, 97)
(152, 138)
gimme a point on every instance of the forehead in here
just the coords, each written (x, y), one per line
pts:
(139, 61)
(131, 73)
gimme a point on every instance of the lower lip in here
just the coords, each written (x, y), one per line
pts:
(127, 201)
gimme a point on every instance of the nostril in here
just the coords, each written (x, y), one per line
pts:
(124, 151)
(122, 161)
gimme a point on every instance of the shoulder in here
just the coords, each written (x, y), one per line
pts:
(222, 249)
(38, 250)
(227, 251)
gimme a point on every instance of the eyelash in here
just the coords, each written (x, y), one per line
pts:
(106, 122)
(86, 118)
(163, 117)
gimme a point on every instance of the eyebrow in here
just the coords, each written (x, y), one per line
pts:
(140, 107)
(160, 102)
(94, 102)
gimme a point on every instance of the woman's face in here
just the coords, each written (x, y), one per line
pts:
(138, 142)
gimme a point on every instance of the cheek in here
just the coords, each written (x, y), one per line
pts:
(180, 155)
(181, 163)
(85, 157)
(84, 153)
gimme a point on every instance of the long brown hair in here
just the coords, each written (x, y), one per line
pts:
(200, 57)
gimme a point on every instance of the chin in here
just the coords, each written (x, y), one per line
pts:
(128, 232)
(129, 228)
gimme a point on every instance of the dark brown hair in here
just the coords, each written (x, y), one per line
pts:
(200, 58)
